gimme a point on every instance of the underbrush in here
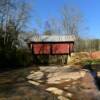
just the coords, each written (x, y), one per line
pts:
(93, 64)
(90, 61)
(11, 59)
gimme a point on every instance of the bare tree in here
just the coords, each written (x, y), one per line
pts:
(13, 19)
(53, 26)
(71, 20)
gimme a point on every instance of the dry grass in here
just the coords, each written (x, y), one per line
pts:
(76, 58)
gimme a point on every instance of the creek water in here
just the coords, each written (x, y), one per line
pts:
(94, 69)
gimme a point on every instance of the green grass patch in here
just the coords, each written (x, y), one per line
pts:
(90, 62)
(94, 64)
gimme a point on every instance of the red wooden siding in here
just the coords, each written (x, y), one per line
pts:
(56, 48)
(41, 48)
(71, 47)
(60, 48)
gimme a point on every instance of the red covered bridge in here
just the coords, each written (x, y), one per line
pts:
(52, 45)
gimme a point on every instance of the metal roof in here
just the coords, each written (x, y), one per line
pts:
(52, 38)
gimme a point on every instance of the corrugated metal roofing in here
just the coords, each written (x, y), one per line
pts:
(52, 38)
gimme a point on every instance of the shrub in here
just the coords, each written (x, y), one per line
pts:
(14, 58)
(23, 57)
(91, 62)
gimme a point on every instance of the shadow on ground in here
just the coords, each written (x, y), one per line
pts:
(14, 86)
